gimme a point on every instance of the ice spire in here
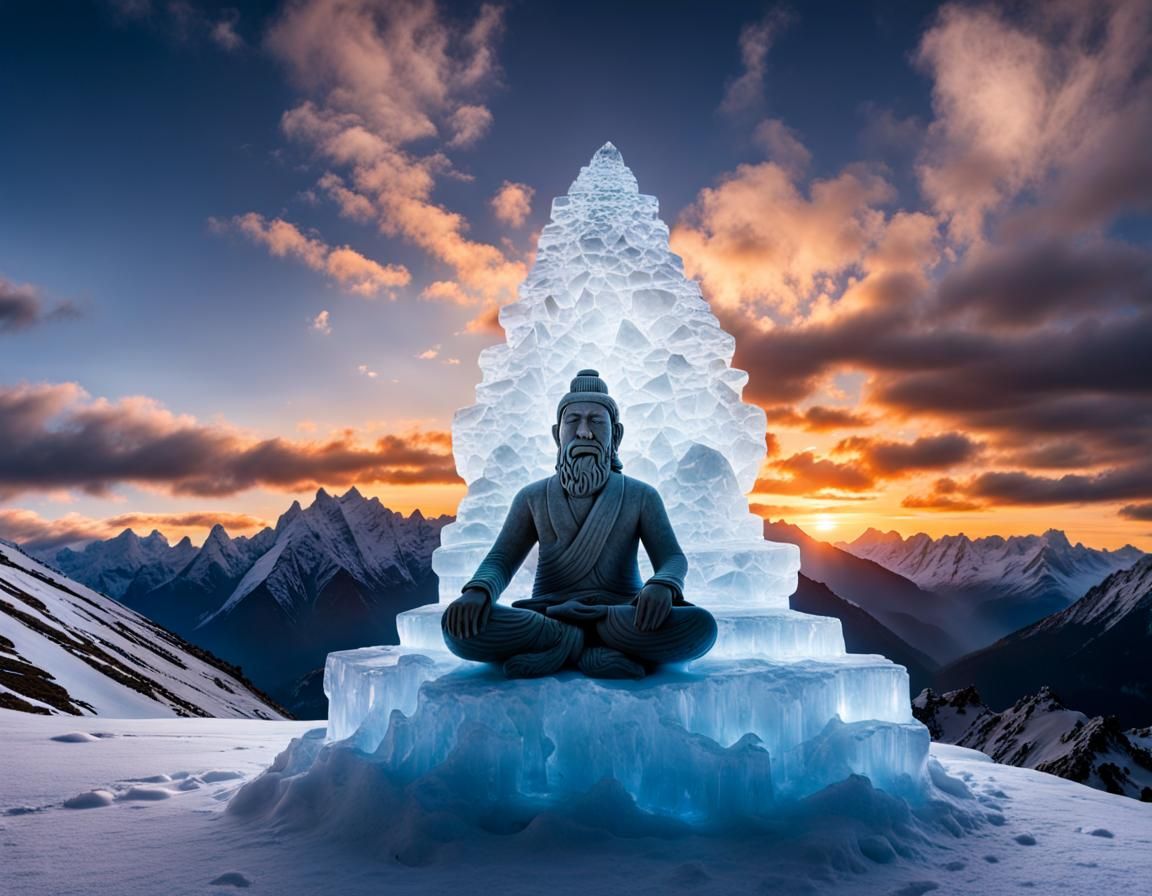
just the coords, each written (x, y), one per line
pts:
(607, 292)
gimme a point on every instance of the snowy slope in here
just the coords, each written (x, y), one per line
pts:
(1040, 732)
(1010, 582)
(67, 649)
(159, 789)
(329, 576)
(1094, 653)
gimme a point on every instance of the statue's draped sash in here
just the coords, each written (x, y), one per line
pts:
(570, 560)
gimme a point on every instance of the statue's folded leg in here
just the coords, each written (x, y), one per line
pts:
(529, 644)
(687, 633)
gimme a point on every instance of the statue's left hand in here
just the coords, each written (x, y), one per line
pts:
(653, 604)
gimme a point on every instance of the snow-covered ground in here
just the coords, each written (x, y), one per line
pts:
(157, 789)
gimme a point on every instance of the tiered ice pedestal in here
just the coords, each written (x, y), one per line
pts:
(725, 735)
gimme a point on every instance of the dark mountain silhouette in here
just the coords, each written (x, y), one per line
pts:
(920, 618)
(862, 632)
(1095, 653)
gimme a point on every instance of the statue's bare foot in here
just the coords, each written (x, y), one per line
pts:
(604, 662)
(551, 660)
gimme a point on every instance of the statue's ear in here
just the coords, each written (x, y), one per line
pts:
(617, 434)
(556, 433)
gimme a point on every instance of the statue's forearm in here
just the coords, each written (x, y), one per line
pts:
(669, 565)
(512, 545)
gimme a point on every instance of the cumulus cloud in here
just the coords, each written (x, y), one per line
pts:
(54, 435)
(782, 145)
(22, 305)
(512, 203)
(322, 323)
(1057, 101)
(378, 78)
(1006, 319)
(354, 272)
(760, 243)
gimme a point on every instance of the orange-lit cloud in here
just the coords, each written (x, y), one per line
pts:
(57, 436)
(378, 78)
(354, 272)
(512, 203)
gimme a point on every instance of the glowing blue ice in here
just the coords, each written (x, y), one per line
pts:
(776, 710)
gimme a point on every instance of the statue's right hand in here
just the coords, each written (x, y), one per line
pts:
(468, 615)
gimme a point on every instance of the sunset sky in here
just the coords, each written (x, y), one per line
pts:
(247, 250)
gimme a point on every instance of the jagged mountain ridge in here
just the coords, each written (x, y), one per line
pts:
(125, 564)
(863, 633)
(66, 649)
(1094, 653)
(918, 617)
(326, 577)
(1039, 732)
(1007, 583)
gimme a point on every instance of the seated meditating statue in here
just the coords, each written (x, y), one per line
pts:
(589, 608)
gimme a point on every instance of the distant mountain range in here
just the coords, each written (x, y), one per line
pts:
(65, 649)
(1002, 583)
(328, 577)
(1095, 653)
(333, 576)
(863, 633)
(1039, 732)
(921, 618)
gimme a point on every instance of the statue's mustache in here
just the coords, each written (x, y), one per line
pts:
(579, 447)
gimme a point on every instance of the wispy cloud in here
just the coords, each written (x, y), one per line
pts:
(354, 272)
(23, 305)
(33, 532)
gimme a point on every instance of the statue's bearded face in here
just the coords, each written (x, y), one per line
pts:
(586, 438)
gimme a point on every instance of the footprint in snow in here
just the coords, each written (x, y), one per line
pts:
(1025, 839)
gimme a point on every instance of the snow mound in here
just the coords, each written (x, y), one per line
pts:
(381, 804)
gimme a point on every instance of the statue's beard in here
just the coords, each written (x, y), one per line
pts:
(583, 472)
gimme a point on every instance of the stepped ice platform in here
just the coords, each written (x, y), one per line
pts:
(776, 711)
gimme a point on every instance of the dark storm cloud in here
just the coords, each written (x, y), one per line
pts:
(817, 418)
(1031, 283)
(54, 436)
(1018, 487)
(1137, 512)
(886, 459)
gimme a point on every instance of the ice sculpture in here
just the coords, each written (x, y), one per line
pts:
(777, 709)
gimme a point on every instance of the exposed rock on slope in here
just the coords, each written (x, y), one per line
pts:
(1094, 653)
(66, 649)
(1039, 732)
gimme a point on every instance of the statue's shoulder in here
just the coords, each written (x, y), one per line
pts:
(640, 488)
(534, 491)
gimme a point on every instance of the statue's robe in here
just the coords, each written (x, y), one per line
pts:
(592, 561)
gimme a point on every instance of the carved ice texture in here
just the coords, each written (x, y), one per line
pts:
(776, 710)
(606, 292)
